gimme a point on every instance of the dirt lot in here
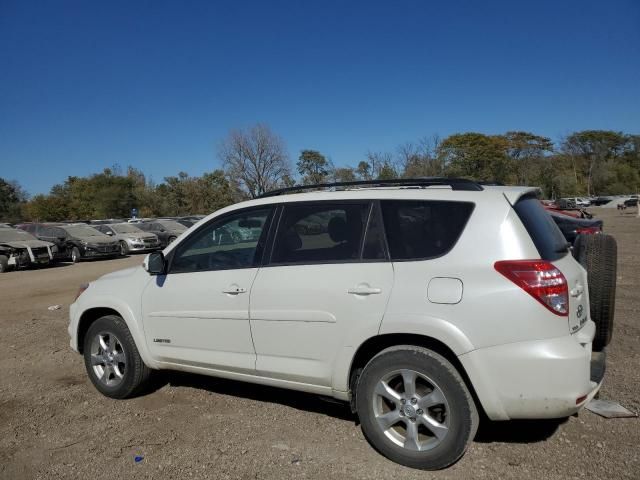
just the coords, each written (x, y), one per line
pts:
(54, 424)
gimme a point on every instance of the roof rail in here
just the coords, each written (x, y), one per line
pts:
(454, 183)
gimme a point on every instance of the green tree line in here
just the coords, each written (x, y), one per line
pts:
(589, 162)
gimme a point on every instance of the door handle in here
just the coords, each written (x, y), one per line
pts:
(234, 290)
(364, 291)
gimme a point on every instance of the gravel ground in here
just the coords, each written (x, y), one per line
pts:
(54, 424)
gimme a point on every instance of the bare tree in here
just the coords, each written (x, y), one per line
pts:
(381, 165)
(256, 158)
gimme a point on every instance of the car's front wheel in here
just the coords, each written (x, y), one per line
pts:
(75, 255)
(112, 359)
(415, 408)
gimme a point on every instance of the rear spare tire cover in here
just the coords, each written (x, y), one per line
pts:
(598, 254)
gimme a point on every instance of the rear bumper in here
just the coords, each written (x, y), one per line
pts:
(550, 378)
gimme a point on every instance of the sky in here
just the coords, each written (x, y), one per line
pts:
(159, 84)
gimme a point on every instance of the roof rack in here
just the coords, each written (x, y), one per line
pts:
(454, 183)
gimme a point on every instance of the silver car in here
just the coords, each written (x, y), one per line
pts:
(130, 237)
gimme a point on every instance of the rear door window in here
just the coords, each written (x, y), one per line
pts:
(544, 232)
(320, 233)
(423, 229)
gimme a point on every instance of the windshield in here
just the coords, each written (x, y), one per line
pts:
(172, 225)
(83, 231)
(125, 228)
(14, 235)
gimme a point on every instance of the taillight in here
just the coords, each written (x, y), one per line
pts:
(541, 280)
(587, 230)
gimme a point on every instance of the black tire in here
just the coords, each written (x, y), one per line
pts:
(75, 255)
(124, 248)
(171, 240)
(459, 412)
(4, 264)
(135, 373)
(598, 254)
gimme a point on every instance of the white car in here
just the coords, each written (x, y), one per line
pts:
(579, 202)
(421, 303)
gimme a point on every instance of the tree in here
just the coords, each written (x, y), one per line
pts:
(477, 156)
(313, 167)
(43, 208)
(344, 174)
(12, 198)
(387, 172)
(525, 150)
(420, 160)
(209, 193)
(381, 165)
(590, 150)
(363, 171)
(256, 158)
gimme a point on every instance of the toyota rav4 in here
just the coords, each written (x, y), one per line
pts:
(422, 303)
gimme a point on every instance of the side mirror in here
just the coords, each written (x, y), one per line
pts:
(110, 233)
(155, 263)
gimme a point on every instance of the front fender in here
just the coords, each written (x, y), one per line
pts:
(131, 318)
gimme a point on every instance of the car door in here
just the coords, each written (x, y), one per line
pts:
(54, 235)
(323, 291)
(198, 313)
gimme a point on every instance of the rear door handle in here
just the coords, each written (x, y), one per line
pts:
(234, 290)
(364, 291)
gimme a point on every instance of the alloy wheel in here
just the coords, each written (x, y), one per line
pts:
(108, 359)
(411, 410)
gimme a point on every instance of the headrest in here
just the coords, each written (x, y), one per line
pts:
(338, 229)
(292, 241)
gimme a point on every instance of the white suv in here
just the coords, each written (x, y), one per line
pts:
(419, 302)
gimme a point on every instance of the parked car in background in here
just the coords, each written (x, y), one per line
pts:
(21, 249)
(166, 230)
(571, 227)
(75, 241)
(49, 233)
(576, 202)
(130, 237)
(598, 201)
(108, 221)
(190, 220)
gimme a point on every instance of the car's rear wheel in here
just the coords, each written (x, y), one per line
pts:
(112, 359)
(415, 408)
(598, 254)
(75, 255)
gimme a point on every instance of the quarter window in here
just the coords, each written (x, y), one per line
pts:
(229, 243)
(423, 229)
(320, 233)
